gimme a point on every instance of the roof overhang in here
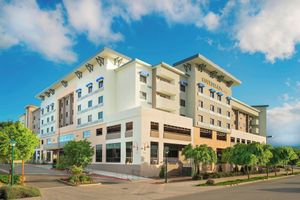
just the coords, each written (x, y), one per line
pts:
(210, 66)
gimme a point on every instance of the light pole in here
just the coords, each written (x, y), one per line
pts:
(166, 170)
(12, 144)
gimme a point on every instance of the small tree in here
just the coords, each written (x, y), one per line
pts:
(26, 142)
(200, 154)
(78, 153)
(287, 155)
(276, 158)
(242, 155)
(294, 162)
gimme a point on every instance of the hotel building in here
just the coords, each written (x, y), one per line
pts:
(131, 110)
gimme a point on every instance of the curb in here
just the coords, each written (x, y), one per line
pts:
(80, 185)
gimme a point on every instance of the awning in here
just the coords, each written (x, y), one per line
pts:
(220, 93)
(200, 85)
(101, 78)
(78, 90)
(229, 98)
(89, 84)
(144, 73)
(212, 90)
(183, 83)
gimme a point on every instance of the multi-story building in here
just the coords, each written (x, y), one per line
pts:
(131, 111)
(31, 118)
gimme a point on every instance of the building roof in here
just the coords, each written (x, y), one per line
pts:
(246, 105)
(169, 67)
(212, 66)
(105, 52)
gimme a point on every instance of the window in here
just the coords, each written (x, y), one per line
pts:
(143, 95)
(78, 121)
(90, 119)
(154, 153)
(52, 106)
(48, 141)
(47, 130)
(100, 115)
(212, 94)
(98, 153)
(66, 138)
(228, 101)
(205, 133)
(99, 131)
(221, 136)
(143, 79)
(248, 141)
(48, 119)
(182, 102)
(42, 111)
(42, 131)
(182, 88)
(113, 129)
(228, 113)
(200, 90)
(228, 125)
(219, 97)
(100, 99)
(200, 118)
(33, 117)
(113, 152)
(243, 141)
(90, 103)
(212, 121)
(86, 134)
(128, 152)
(90, 88)
(219, 110)
(238, 140)
(79, 94)
(154, 126)
(219, 123)
(232, 139)
(100, 84)
(79, 108)
(129, 126)
(42, 142)
(67, 114)
(177, 129)
(201, 104)
(52, 129)
(67, 102)
(42, 121)
(52, 118)
(212, 108)
(47, 108)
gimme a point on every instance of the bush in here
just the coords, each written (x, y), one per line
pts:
(210, 182)
(16, 192)
(162, 172)
(82, 179)
(76, 170)
(5, 178)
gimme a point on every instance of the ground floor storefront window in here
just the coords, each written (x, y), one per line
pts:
(99, 153)
(128, 152)
(113, 152)
(154, 153)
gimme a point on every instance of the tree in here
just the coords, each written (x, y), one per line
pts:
(26, 142)
(78, 153)
(242, 155)
(200, 154)
(296, 160)
(287, 154)
(276, 158)
(263, 154)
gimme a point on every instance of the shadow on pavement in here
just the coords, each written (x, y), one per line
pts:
(283, 190)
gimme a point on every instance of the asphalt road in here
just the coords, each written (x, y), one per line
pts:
(280, 189)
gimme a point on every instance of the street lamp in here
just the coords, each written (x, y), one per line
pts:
(166, 170)
(12, 144)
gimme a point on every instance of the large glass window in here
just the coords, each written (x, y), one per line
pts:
(154, 126)
(66, 138)
(205, 133)
(99, 153)
(154, 153)
(221, 136)
(128, 152)
(113, 152)
(177, 129)
(99, 131)
(86, 134)
(113, 129)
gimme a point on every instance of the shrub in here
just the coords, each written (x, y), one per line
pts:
(5, 178)
(76, 170)
(162, 172)
(210, 182)
(82, 179)
(16, 192)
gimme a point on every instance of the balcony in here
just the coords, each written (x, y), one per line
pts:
(166, 104)
(166, 88)
(255, 122)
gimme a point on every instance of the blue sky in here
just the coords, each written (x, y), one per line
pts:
(40, 41)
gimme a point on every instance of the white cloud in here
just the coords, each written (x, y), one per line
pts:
(286, 97)
(211, 20)
(283, 124)
(92, 19)
(24, 23)
(270, 27)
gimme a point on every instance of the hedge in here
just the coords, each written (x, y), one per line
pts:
(17, 192)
